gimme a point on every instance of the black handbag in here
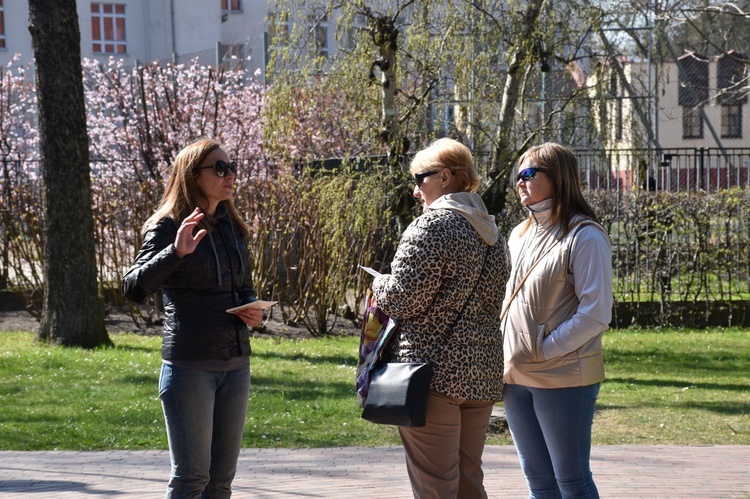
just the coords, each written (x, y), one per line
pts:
(398, 391)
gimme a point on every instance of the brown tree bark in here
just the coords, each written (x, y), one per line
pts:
(72, 313)
(505, 153)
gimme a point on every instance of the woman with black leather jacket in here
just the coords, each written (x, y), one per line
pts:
(195, 252)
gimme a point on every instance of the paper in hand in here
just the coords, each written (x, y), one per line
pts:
(254, 305)
(371, 271)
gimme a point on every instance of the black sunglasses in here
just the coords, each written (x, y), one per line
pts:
(529, 173)
(419, 177)
(220, 168)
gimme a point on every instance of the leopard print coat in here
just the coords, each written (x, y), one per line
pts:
(436, 266)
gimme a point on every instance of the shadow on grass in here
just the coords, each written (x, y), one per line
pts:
(666, 361)
(131, 348)
(303, 390)
(728, 408)
(680, 384)
(138, 379)
(335, 360)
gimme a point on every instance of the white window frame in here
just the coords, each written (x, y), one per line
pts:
(358, 25)
(279, 29)
(692, 122)
(232, 55)
(114, 16)
(731, 122)
(321, 35)
(231, 6)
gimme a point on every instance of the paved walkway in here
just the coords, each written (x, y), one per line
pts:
(626, 471)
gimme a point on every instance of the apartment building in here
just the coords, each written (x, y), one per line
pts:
(692, 102)
(140, 31)
(691, 113)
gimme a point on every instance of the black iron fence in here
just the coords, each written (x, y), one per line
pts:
(679, 221)
(668, 170)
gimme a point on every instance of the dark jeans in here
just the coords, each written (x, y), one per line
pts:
(205, 416)
(551, 429)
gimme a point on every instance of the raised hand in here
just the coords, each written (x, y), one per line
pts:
(185, 242)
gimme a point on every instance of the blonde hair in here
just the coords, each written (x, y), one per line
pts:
(561, 165)
(451, 154)
(182, 194)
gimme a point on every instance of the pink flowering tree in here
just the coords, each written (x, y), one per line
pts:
(139, 119)
(309, 230)
(20, 229)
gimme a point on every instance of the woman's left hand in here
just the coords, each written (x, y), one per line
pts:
(251, 317)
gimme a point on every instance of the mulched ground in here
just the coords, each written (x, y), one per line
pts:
(120, 322)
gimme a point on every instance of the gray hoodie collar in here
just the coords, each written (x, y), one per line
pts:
(470, 206)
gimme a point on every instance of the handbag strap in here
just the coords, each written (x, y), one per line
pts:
(520, 284)
(466, 303)
(577, 226)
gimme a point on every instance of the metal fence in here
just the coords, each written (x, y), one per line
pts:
(679, 222)
(669, 170)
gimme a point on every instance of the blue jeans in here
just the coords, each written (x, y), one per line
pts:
(551, 429)
(205, 416)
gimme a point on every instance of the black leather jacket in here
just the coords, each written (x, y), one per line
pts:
(196, 290)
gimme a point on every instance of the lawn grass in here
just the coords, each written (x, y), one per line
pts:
(663, 387)
(69, 399)
(675, 386)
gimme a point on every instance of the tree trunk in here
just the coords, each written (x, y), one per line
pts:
(72, 312)
(385, 36)
(504, 154)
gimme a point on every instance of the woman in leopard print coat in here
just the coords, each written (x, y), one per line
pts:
(454, 245)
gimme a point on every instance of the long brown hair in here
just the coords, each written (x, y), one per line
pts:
(183, 194)
(562, 167)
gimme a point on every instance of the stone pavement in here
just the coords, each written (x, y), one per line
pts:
(627, 471)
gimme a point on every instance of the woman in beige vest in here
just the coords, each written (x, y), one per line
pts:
(558, 302)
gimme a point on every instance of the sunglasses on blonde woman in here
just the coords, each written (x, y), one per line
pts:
(220, 168)
(419, 177)
(529, 173)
